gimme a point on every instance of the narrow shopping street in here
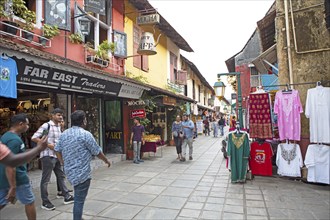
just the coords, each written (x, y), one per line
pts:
(164, 188)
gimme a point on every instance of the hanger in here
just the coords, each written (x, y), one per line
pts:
(287, 89)
(259, 90)
(238, 129)
(4, 56)
(318, 83)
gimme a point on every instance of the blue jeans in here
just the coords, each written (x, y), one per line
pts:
(137, 150)
(80, 193)
(221, 130)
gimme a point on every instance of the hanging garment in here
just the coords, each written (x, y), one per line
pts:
(289, 160)
(317, 161)
(238, 152)
(260, 123)
(261, 159)
(8, 73)
(318, 111)
(288, 107)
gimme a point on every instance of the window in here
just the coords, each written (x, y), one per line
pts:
(185, 90)
(173, 67)
(139, 61)
(193, 89)
(199, 93)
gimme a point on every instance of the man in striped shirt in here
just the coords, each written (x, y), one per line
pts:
(49, 160)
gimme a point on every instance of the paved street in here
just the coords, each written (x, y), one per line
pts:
(164, 188)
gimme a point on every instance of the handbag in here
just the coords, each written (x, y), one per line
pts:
(181, 134)
(175, 134)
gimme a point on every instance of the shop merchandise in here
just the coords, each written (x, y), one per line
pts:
(317, 161)
(238, 153)
(318, 111)
(260, 123)
(8, 73)
(289, 160)
(288, 107)
(261, 159)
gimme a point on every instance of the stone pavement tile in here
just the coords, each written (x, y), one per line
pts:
(150, 189)
(210, 215)
(157, 213)
(58, 203)
(232, 216)
(234, 202)
(253, 191)
(185, 183)
(189, 177)
(197, 199)
(275, 213)
(125, 187)
(192, 213)
(109, 196)
(170, 202)
(215, 200)
(217, 194)
(135, 179)
(169, 176)
(256, 211)
(234, 196)
(137, 198)
(200, 193)
(235, 190)
(101, 184)
(115, 178)
(94, 207)
(205, 184)
(92, 192)
(160, 182)
(256, 217)
(218, 189)
(194, 205)
(177, 191)
(255, 203)
(203, 188)
(191, 171)
(146, 174)
(254, 197)
(322, 214)
(277, 205)
(234, 209)
(213, 207)
(121, 211)
(301, 214)
(66, 215)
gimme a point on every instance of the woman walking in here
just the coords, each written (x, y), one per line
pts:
(177, 136)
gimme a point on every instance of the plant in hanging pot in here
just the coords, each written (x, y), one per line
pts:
(49, 32)
(76, 38)
(90, 52)
(7, 12)
(28, 26)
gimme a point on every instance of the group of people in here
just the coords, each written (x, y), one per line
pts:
(72, 148)
(183, 133)
(215, 123)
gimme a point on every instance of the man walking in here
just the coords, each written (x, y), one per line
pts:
(14, 182)
(137, 139)
(188, 132)
(50, 162)
(75, 150)
(222, 124)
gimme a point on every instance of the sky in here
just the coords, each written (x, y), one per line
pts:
(215, 29)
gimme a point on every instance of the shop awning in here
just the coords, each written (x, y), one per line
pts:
(205, 107)
(264, 62)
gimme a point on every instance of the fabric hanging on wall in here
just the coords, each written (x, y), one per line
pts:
(317, 161)
(260, 123)
(289, 160)
(238, 153)
(288, 107)
(261, 159)
(8, 73)
(318, 111)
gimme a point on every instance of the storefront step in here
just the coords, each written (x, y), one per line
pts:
(35, 175)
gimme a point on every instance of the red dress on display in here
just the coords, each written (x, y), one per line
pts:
(261, 159)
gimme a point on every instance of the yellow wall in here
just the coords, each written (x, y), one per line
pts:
(157, 74)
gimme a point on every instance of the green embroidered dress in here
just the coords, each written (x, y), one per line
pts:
(238, 153)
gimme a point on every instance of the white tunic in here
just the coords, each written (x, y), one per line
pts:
(317, 161)
(318, 111)
(289, 160)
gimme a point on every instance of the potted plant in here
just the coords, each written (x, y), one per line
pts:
(28, 26)
(90, 52)
(102, 53)
(49, 32)
(76, 38)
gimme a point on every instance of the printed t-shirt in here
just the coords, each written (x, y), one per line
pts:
(8, 73)
(261, 159)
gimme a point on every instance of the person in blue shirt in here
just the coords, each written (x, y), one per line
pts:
(75, 150)
(188, 134)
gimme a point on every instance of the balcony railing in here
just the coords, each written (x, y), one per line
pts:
(175, 87)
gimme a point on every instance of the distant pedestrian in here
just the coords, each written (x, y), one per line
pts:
(188, 133)
(215, 127)
(233, 123)
(14, 182)
(75, 149)
(177, 135)
(137, 140)
(222, 124)
(50, 162)
(206, 123)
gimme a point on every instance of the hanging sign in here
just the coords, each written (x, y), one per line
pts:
(130, 92)
(139, 113)
(233, 96)
(148, 19)
(134, 103)
(96, 6)
(169, 101)
(57, 12)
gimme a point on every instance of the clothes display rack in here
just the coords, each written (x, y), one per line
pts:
(318, 83)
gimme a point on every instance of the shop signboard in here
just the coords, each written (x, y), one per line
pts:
(127, 91)
(120, 40)
(199, 126)
(148, 19)
(169, 101)
(96, 6)
(138, 113)
(135, 102)
(57, 12)
(42, 76)
(233, 96)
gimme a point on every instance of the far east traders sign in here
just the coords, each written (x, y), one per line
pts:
(138, 113)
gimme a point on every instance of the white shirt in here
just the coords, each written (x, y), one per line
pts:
(317, 161)
(318, 111)
(289, 160)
